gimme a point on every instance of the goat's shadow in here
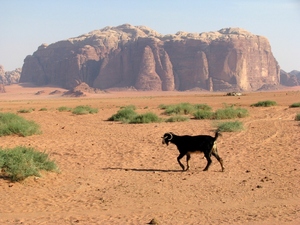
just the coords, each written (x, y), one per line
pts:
(143, 170)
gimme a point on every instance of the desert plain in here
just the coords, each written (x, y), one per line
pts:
(114, 173)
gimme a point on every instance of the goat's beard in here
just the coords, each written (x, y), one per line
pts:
(165, 142)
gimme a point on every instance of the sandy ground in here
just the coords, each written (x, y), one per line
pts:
(113, 173)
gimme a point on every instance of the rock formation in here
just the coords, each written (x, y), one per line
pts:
(136, 56)
(9, 77)
(80, 90)
(2, 88)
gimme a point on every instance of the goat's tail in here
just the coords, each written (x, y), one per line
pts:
(217, 134)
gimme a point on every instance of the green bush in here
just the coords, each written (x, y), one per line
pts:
(177, 118)
(20, 162)
(145, 118)
(84, 109)
(64, 109)
(231, 126)
(203, 114)
(294, 105)
(125, 114)
(13, 124)
(43, 109)
(266, 103)
(297, 117)
(230, 112)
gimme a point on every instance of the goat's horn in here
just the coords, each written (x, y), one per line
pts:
(170, 137)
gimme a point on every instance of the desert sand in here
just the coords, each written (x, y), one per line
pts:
(113, 173)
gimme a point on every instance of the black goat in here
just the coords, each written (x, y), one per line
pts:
(191, 144)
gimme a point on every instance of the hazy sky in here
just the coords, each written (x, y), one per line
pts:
(26, 24)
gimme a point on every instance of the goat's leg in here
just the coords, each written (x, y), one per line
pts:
(178, 160)
(215, 154)
(207, 156)
(188, 156)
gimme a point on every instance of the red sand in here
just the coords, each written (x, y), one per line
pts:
(113, 173)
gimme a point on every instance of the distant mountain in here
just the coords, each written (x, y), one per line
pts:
(290, 79)
(138, 57)
(295, 73)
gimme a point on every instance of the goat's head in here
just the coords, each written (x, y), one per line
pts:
(167, 138)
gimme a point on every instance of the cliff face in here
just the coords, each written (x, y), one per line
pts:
(136, 56)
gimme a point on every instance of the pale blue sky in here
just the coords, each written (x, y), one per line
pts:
(26, 24)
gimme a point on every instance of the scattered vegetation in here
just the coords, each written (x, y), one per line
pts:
(25, 110)
(64, 109)
(294, 105)
(177, 118)
(230, 126)
(129, 107)
(297, 117)
(230, 112)
(13, 124)
(21, 162)
(145, 118)
(84, 109)
(125, 114)
(204, 107)
(178, 109)
(203, 114)
(43, 109)
(266, 103)
(204, 111)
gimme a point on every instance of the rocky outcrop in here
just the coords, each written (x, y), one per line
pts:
(290, 79)
(2, 88)
(2, 74)
(136, 56)
(9, 77)
(81, 90)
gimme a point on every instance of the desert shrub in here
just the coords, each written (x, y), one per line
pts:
(230, 112)
(231, 126)
(266, 103)
(43, 109)
(21, 162)
(25, 110)
(84, 109)
(125, 114)
(179, 109)
(162, 106)
(145, 118)
(64, 109)
(297, 117)
(133, 107)
(204, 107)
(13, 124)
(203, 114)
(177, 118)
(294, 105)
(183, 108)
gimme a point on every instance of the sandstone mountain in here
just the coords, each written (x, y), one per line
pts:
(9, 77)
(141, 58)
